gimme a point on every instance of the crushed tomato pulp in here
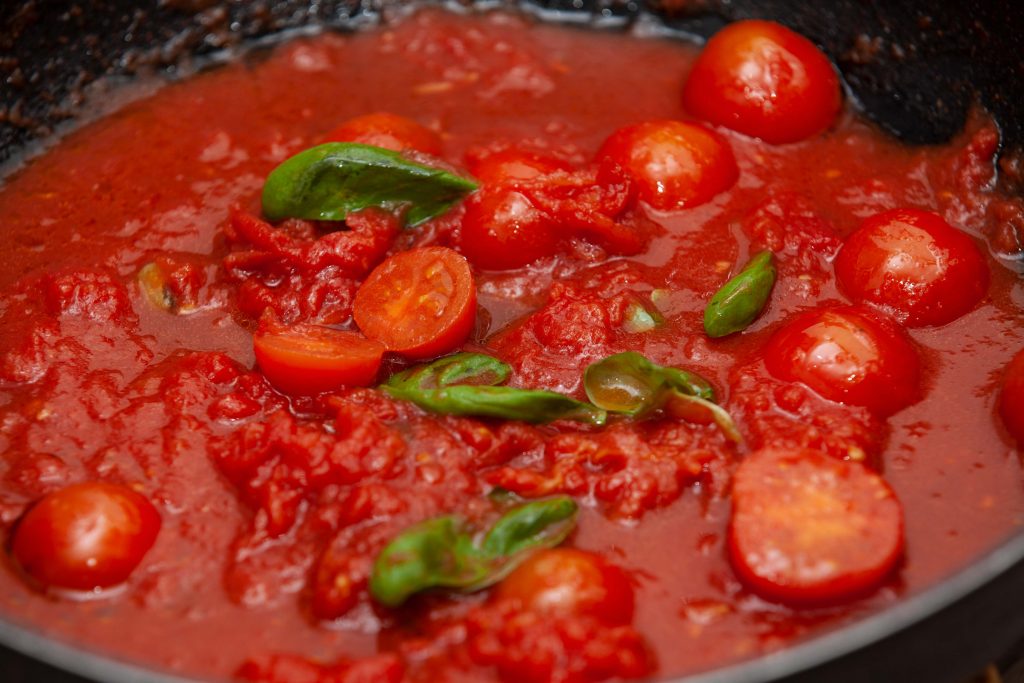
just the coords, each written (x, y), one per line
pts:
(253, 499)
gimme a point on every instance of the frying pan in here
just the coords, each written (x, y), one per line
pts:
(914, 67)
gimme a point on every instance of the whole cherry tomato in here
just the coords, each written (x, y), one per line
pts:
(85, 536)
(764, 80)
(389, 131)
(674, 164)
(914, 264)
(502, 229)
(850, 355)
(569, 581)
(1011, 400)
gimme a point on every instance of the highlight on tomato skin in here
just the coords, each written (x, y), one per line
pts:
(305, 359)
(674, 164)
(762, 79)
(914, 264)
(85, 536)
(420, 303)
(848, 354)
(1011, 398)
(570, 581)
(390, 131)
(808, 529)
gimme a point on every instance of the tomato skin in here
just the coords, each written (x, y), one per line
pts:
(502, 229)
(809, 528)
(1011, 399)
(85, 536)
(764, 80)
(915, 264)
(514, 164)
(390, 131)
(847, 354)
(674, 164)
(569, 581)
(306, 359)
(420, 303)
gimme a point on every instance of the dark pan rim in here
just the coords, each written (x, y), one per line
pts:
(791, 661)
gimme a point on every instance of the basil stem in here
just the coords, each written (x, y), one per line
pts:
(466, 384)
(741, 299)
(630, 384)
(332, 180)
(441, 552)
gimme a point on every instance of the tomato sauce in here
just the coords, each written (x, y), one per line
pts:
(273, 507)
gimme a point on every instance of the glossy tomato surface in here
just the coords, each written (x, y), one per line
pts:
(308, 359)
(914, 264)
(390, 131)
(1011, 399)
(85, 536)
(762, 79)
(850, 355)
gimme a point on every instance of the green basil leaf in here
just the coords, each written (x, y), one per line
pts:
(628, 383)
(464, 384)
(441, 553)
(332, 180)
(741, 299)
(696, 409)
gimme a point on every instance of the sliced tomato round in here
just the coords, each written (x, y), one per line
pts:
(807, 528)
(674, 164)
(502, 229)
(569, 581)
(306, 359)
(389, 131)
(914, 264)
(420, 303)
(1011, 399)
(85, 536)
(848, 354)
(764, 80)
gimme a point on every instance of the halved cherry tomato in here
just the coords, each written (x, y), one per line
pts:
(389, 131)
(502, 229)
(85, 536)
(674, 164)
(764, 80)
(847, 354)
(420, 303)
(915, 264)
(568, 581)
(514, 164)
(808, 528)
(306, 359)
(1011, 400)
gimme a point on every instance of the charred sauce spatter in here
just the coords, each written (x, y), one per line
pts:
(128, 359)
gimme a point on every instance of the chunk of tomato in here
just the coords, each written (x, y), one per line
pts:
(847, 354)
(569, 581)
(1011, 399)
(502, 229)
(390, 131)
(808, 528)
(85, 536)
(306, 359)
(764, 80)
(674, 164)
(914, 264)
(420, 303)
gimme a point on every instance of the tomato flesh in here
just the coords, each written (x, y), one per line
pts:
(306, 359)
(390, 131)
(674, 164)
(1011, 400)
(764, 80)
(808, 528)
(569, 581)
(847, 354)
(85, 536)
(420, 303)
(914, 264)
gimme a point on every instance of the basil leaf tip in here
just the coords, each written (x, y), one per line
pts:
(442, 552)
(740, 300)
(332, 180)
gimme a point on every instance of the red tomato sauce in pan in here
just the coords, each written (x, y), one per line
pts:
(248, 518)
